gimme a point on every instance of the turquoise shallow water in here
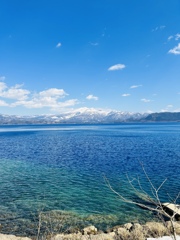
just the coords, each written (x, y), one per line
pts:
(58, 170)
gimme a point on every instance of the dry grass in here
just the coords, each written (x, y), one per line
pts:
(135, 234)
(155, 229)
(52, 223)
(150, 229)
(176, 226)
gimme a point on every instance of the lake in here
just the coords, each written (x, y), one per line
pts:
(59, 171)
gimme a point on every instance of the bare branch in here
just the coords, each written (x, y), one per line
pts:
(159, 208)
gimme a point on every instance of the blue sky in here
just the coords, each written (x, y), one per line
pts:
(58, 56)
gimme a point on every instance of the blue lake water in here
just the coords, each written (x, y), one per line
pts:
(60, 169)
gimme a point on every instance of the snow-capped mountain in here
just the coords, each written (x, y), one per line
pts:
(81, 115)
(90, 115)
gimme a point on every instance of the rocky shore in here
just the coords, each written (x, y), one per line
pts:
(128, 231)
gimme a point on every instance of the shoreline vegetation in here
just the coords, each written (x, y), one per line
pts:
(128, 231)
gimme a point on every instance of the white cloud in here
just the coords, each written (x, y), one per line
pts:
(47, 98)
(59, 45)
(15, 92)
(53, 92)
(65, 104)
(136, 86)
(49, 102)
(116, 67)
(2, 87)
(177, 36)
(23, 97)
(146, 100)
(3, 103)
(92, 97)
(167, 108)
(175, 50)
(2, 78)
(125, 95)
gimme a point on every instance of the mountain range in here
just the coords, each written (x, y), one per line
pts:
(90, 116)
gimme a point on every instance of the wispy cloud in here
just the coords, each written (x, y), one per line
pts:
(59, 45)
(158, 28)
(177, 36)
(92, 97)
(118, 66)
(135, 86)
(94, 44)
(162, 27)
(175, 50)
(169, 106)
(146, 100)
(125, 95)
(170, 37)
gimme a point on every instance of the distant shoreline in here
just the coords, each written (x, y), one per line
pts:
(92, 117)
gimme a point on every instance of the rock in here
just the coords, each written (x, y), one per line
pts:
(128, 226)
(90, 230)
(121, 231)
(12, 237)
